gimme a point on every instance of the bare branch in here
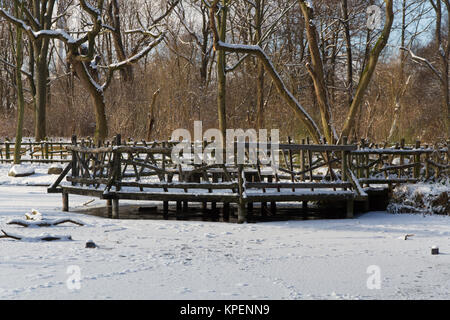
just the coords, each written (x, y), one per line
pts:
(423, 61)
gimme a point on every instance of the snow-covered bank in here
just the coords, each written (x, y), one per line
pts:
(322, 259)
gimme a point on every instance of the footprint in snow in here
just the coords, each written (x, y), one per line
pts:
(210, 235)
(230, 294)
(242, 284)
(184, 290)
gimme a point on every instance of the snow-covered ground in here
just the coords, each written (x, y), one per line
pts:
(148, 259)
(39, 178)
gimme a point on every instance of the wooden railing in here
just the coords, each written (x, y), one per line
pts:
(304, 173)
(399, 164)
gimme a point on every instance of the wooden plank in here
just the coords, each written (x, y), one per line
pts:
(83, 191)
(182, 185)
(60, 178)
(298, 147)
(167, 196)
(310, 196)
(89, 150)
(299, 185)
(392, 151)
(144, 150)
(87, 181)
(387, 181)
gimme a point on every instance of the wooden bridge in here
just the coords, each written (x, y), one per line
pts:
(305, 172)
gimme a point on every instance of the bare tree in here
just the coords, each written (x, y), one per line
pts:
(18, 11)
(38, 17)
(81, 51)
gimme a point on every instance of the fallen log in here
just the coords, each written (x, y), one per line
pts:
(35, 239)
(43, 223)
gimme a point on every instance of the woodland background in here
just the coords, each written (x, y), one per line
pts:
(403, 100)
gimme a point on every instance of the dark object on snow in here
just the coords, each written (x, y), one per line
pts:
(434, 250)
(54, 170)
(90, 244)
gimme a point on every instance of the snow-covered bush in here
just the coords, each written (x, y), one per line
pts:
(425, 198)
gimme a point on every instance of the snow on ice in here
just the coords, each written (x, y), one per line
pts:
(151, 259)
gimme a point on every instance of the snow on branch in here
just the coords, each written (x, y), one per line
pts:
(424, 61)
(55, 34)
(172, 6)
(131, 60)
(93, 11)
(43, 223)
(143, 32)
(44, 237)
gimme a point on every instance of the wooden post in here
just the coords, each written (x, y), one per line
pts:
(61, 151)
(117, 164)
(115, 208)
(291, 164)
(249, 208)
(65, 201)
(302, 162)
(215, 179)
(366, 163)
(273, 204)
(350, 205)
(242, 213)
(74, 159)
(7, 151)
(46, 149)
(417, 162)
(166, 209)
(42, 149)
(427, 167)
(109, 208)
(402, 158)
(344, 161)
(226, 211)
(360, 161)
(309, 162)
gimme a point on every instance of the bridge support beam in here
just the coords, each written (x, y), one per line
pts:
(65, 202)
(350, 207)
(109, 208)
(115, 208)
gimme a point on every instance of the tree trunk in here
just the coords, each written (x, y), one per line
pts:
(221, 75)
(316, 71)
(399, 93)
(97, 97)
(348, 43)
(20, 98)
(369, 70)
(259, 12)
(114, 15)
(41, 74)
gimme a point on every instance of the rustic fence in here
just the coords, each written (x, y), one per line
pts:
(50, 150)
(375, 164)
(305, 173)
